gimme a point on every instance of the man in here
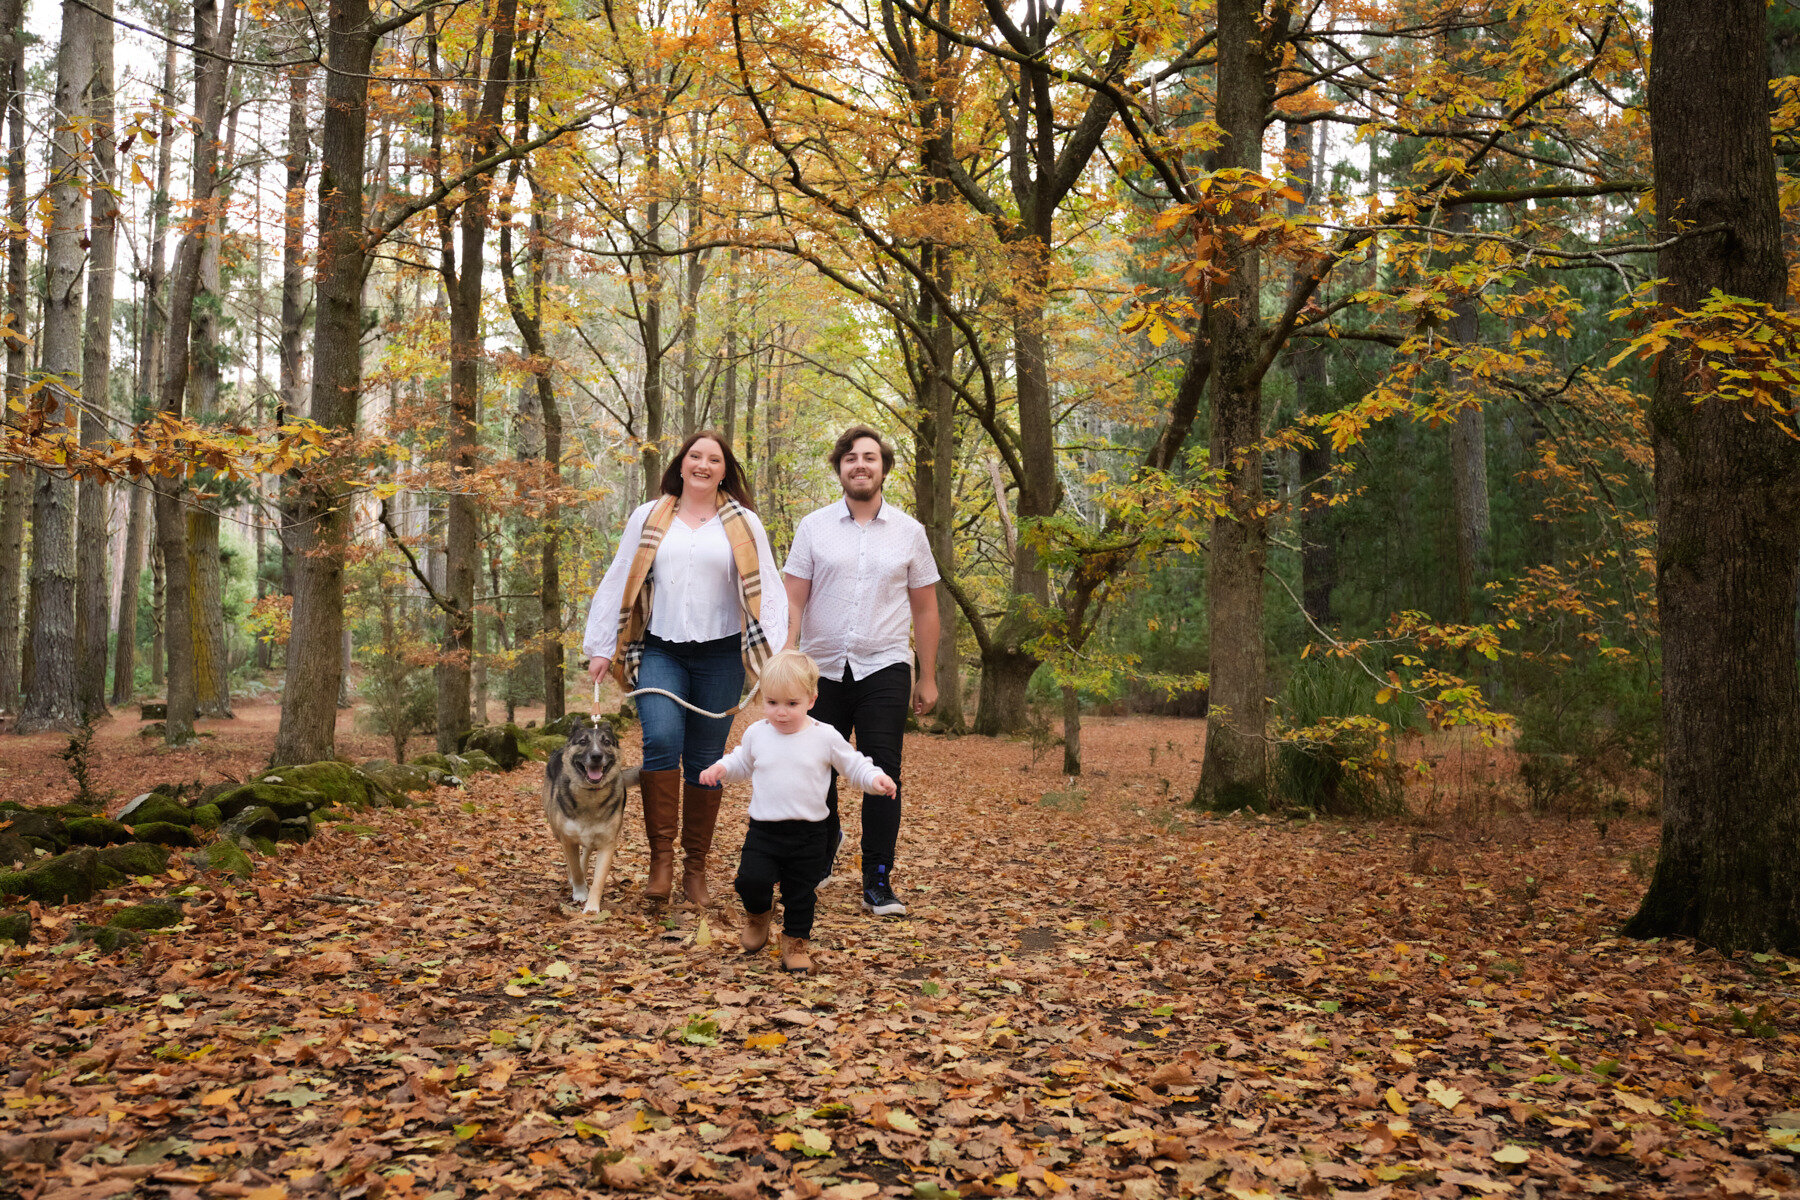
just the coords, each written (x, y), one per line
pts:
(860, 578)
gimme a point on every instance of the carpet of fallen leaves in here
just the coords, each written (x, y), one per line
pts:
(1096, 992)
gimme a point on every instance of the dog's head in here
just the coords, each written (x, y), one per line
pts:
(593, 750)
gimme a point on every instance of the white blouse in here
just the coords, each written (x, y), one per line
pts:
(696, 585)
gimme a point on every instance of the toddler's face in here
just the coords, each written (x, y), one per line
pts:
(787, 713)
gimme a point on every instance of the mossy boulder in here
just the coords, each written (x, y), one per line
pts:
(207, 816)
(15, 927)
(282, 799)
(153, 712)
(563, 724)
(224, 856)
(295, 829)
(542, 748)
(97, 831)
(108, 937)
(341, 784)
(478, 762)
(43, 828)
(127, 861)
(499, 743)
(157, 808)
(155, 914)
(165, 833)
(399, 778)
(70, 877)
(256, 823)
(14, 849)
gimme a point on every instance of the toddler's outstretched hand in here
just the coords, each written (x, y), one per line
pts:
(886, 786)
(713, 775)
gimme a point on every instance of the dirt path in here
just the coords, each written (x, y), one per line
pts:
(1095, 992)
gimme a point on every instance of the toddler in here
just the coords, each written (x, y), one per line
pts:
(788, 758)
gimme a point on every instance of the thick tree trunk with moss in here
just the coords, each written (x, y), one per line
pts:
(1727, 488)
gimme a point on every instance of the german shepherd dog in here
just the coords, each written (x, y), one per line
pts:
(584, 801)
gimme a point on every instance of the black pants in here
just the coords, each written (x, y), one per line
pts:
(791, 853)
(872, 708)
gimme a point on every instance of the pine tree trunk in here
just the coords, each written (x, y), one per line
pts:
(17, 494)
(124, 687)
(212, 668)
(321, 527)
(1468, 454)
(293, 295)
(1234, 772)
(1728, 548)
(51, 699)
(92, 590)
(1318, 558)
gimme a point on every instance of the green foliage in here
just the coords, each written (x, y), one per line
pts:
(1590, 733)
(1331, 755)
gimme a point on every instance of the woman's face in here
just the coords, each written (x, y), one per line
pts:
(702, 468)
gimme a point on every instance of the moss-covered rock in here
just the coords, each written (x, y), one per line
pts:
(252, 823)
(15, 927)
(207, 816)
(158, 809)
(282, 799)
(127, 861)
(498, 742)
(108, 937)
(164, 833)
(154, 914)
(97, 831)
(563, 724)
(43, 828)
(342, 784)
(15, 850)
(295, 829)
(541, 748)
(477, 762)
(74, 876)
(224, 856)
(399, 778)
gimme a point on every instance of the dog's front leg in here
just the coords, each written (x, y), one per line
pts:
(602, 863)
(577, 879)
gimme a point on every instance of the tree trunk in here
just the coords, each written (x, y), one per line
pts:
(651, 325)
(462, 283)
(92, 591)
(159, 645)
(51, 701)
(1468, 454)
(212, 668)
(1306, 362)
(214, 27)
(293, 295)
(17, 494)
(1071, 714)
(321, 529)
(150, 365)
(1234, 772)
(1728, 548)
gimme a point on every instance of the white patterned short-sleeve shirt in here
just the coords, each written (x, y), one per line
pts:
(859, 611)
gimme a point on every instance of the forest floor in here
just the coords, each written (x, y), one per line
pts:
(1096, 991)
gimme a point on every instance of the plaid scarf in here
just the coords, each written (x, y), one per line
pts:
(640, 590)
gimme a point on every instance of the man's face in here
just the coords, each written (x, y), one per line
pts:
(860, 470)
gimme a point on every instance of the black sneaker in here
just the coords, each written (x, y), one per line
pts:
(878, 899)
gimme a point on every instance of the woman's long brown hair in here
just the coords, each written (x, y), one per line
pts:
(734, 484)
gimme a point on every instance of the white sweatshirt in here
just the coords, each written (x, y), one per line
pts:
(789, 772)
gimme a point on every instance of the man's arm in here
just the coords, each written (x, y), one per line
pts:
(925, 633)
(799, 590)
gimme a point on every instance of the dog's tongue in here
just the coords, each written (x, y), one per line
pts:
(595, 776)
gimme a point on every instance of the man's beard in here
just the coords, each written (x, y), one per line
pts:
(862, 489)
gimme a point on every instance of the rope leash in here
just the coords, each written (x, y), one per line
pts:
(730, 712)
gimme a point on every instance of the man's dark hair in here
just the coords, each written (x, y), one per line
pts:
(850, 437)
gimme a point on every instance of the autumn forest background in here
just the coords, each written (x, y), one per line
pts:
(1380, 411)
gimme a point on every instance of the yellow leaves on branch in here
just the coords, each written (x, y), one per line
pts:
(1737, 351)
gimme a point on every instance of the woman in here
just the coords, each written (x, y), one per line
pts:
(691, 604)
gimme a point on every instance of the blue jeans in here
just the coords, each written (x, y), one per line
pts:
(709, 675)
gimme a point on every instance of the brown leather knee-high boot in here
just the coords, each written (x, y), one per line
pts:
(699, 817)
(662, 817)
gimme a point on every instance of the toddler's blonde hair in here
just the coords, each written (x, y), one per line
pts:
(790, 675)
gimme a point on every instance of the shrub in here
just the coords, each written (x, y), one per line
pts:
(1331, 755)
